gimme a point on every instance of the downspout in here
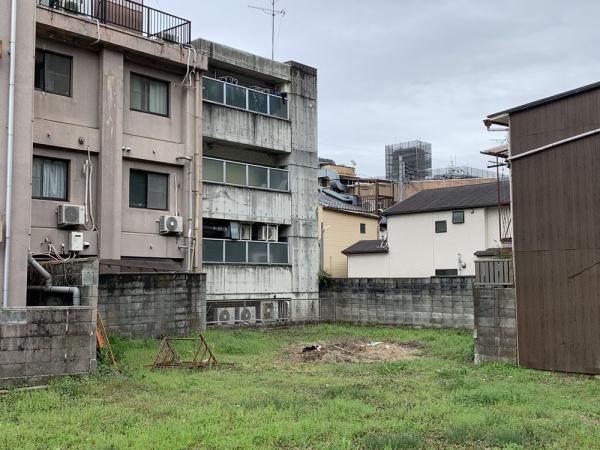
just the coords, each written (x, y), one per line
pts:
(9, 150)
(72, 290)
(197, 267)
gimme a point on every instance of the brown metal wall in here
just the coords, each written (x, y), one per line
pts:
(556, 208)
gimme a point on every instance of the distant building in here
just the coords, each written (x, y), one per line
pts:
(436, 232)
(407, 160)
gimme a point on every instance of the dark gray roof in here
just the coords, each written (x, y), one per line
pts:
(579, 90)
(329, 201)
(493, 252)
(457, 197)
(362, 247)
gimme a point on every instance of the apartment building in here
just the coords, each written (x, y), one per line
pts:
(260, 245)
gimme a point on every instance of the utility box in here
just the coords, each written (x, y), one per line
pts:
(75, 241)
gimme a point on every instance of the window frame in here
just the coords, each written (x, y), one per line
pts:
(67, 178)
(168, 84)
(437, 274)
(146, 172)
(445, 222)
(363, 228)
(457, 222)
(43, 89)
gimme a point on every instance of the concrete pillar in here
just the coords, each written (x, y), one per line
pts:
(23, 148)
(111, 153)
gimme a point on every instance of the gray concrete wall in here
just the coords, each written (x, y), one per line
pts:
(437, 302)
(149, 305)
(495, 324)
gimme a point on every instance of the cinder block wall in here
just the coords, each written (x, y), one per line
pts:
(147, 305)
(437, 302)
(495, 324)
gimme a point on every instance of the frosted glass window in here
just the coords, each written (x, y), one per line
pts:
(278, 107)
(257, 252)
(212, 170)
(236, 96)
(278, 253)
(235, 251)
(212, 251)
(258, 177)
(257, 101)
(158, 185)
(149, 95)
(213, 90)
(236, 173)
(279, 180)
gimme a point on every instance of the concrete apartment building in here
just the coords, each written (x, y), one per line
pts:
(260, 166)
(106, 141)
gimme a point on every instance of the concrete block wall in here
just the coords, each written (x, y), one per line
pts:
(437, 302)
(148, 305)
(41, 342)
(495, 324)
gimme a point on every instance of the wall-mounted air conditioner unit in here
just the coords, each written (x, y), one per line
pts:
(170, 225)
(246, 314)
(225, 316)
(272, 233)
(246, 232)
(229, 80)
(269, 311)
(71, 215)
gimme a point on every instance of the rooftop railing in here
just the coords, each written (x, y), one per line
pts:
(133, 16)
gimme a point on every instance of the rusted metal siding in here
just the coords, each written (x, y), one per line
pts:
(556, 208)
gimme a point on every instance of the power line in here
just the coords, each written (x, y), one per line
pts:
(273, 12)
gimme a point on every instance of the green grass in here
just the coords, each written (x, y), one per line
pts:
(438, 401)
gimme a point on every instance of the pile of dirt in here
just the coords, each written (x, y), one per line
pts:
(353, 351)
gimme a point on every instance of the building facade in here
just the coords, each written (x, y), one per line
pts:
(260, 170)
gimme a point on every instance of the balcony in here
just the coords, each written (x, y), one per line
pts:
(148, 22)
(244, 252)
(240, 97)
(246, 175)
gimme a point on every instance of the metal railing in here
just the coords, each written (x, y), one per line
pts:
(230, 94)
(244, 252)
(146, 21)
(494, 272)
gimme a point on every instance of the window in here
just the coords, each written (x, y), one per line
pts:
(236, 173)
(446, 272)
(279, 179)
(363, 228)
(458, 217)
(440, 226)
(148, 189)
(53, 72)
(212, 170)
(149, 95)
(50, 178)
(213, 90)
(235, 96)
(258, 177)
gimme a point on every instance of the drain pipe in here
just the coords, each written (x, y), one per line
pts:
(189, 242)
(9, 150)
(73, 290)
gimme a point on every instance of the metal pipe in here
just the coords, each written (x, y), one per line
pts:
(73, 290)
(197, 266)
(188, 246)
(9, 150)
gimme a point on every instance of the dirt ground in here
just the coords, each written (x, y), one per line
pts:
(353, 351)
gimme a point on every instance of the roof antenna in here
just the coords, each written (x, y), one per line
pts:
(273, 12)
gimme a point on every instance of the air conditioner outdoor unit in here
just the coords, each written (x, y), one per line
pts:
(246, 232)
(246, 314)
(225, 316)
(71, 215)
(269, 310)
(170, 225)
(272, 233)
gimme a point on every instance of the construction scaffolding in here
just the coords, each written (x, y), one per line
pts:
(407, 161)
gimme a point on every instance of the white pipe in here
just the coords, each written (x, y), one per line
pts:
(43, 272)
(189, 245)
(9, 150)
(554, 144)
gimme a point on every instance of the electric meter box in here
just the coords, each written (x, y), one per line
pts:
(75, 241)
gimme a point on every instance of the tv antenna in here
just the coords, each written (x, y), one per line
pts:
(273, 12)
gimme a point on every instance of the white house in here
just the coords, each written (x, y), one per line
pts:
(435, 232)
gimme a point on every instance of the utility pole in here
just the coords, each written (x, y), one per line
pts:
(273, 12)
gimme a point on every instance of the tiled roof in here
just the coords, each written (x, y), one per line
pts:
(363, 247)
(458, 197)
(332, 202)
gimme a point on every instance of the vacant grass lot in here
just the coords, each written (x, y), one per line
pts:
(438, 401)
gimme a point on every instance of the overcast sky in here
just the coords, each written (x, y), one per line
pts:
(397, 70)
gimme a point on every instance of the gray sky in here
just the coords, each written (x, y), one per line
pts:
(398, 70)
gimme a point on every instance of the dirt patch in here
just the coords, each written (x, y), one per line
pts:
(353, 351)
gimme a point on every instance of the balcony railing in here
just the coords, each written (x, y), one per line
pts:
(241, 174)
(241, 97)
(494, 272)
(244, 252)
(142, 19)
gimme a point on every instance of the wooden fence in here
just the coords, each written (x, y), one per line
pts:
(494, 272)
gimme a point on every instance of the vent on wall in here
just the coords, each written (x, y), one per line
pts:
(226, 315)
